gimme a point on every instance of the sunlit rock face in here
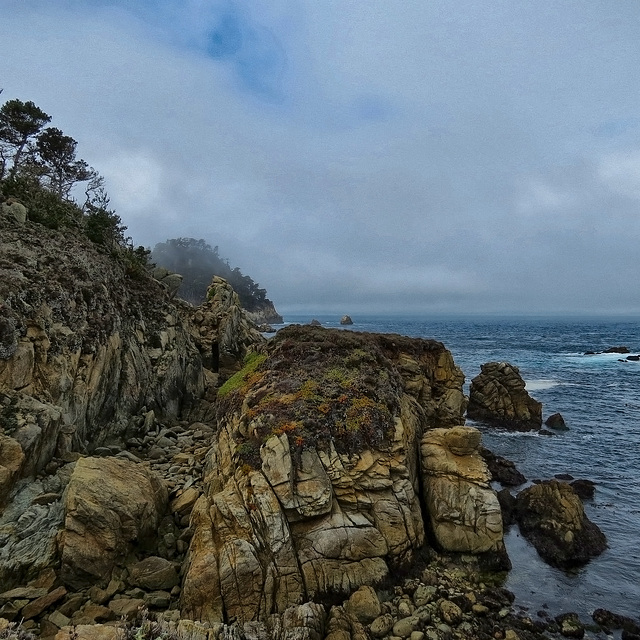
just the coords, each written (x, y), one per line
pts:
(312, 485)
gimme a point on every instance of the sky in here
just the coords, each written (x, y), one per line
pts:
(387, 156)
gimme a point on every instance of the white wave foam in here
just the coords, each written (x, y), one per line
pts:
(537, 385)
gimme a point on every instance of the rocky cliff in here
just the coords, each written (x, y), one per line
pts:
(314, 485)
(160, 455)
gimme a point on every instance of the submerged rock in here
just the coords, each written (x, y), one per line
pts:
(499, 398)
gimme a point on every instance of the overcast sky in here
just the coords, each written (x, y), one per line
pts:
(449, 156)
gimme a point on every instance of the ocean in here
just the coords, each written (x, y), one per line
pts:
(599, 398)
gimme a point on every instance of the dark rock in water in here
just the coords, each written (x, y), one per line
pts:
(498, 397)
(567, 477)
(551, 516)
(609, 620)
(589, 353)
(346, 320)
(502, 470)
(546, 432)
(616, 350)
(634, 358)
(584, 488)
(315, 323)
(556, 421)
(507, 505)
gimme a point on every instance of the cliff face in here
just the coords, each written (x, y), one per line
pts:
(84, 347)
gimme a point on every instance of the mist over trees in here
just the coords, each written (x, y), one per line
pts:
(198, 262)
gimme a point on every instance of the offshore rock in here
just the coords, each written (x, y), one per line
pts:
(498, 397)
(346, 320)
(464, 510)
(551, 516)
(110, 504)
(311, 487)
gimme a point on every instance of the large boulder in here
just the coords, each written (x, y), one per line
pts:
(551, 516)
(110, 504)
(311, 487)
(498, 397)
(463, 509)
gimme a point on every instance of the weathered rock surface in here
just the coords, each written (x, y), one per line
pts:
(498, 397)
(346, 320)
(551, 516)
(110, 504)
(223, 331)
(83, 345)
(311, 486)
(464, 511)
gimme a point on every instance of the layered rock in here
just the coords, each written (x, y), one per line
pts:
(84, 345)
(464, 511)
(498, 397)
(551, 516)
(311, 487)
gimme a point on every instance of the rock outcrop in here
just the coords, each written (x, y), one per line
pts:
(312, 485)
(109, 505)
(498, 397)
(551, 516)
(464, 511)
(346, 320)
(222, 331)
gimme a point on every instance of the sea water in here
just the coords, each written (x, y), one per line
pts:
(599, 398)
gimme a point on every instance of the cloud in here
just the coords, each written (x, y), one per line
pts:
(432, 156)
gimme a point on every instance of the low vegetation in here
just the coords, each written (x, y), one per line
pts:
(315, 386)
(39, 169)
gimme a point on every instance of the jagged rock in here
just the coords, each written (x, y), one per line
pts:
(502, 470)
(346, 320)
(109, 505)
(87, 342)
(556, 421)
(464, 511)
(498, 397)
(223, 332)
(551, 516)
(315, 323)
(311, 486)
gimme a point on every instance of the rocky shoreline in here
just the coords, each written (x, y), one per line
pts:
(167, 472)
